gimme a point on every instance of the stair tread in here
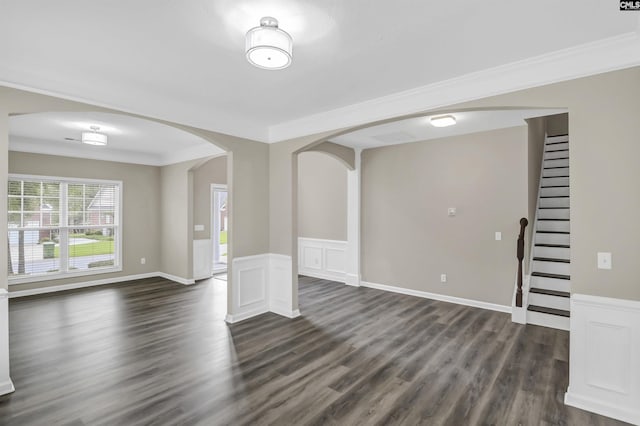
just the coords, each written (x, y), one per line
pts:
(559, 158)
(557, 150)
(554, 196)
(557, 220)
(555, 186)
(562, 176)
(548, 292)
(548, 275)
(551, 311)
(553, 245)
(553, 232)
(555, 167)
(554, 208)
(551, 259)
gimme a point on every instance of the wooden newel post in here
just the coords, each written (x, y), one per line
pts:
(523, 224)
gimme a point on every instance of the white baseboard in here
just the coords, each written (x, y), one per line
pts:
(179, 280)
(249, 313)
(6, 387)
(604, 372)
(94, 283)
(83, 284)
(322, 276)
(289, 314)
(596, 406)
(440, 297)
(352, 280)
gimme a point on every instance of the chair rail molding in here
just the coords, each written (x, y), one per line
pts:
(604, 369)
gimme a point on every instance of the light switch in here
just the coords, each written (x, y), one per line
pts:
(198, 228)
(498, 236)
(604, 260)
(443, 278)
(451, 211)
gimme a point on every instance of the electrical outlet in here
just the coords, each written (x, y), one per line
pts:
(443, 278)
(451, 211)
(198, 228)
(498, 236)
(604, 260)
(143, 260)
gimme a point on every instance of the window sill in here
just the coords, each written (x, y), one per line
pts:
(62, 276)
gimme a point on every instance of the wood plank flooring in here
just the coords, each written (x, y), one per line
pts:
(155, 352)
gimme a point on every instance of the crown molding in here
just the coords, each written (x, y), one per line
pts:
(201, 120)
(606, 55)
(76, 150)
(614, 53)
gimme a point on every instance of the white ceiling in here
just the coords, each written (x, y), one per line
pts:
(183, 61)
(131, 140)
(420, 129)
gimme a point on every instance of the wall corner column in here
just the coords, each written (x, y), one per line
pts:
(353, 222)
(6, 385)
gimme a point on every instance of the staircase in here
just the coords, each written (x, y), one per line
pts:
(549, 285)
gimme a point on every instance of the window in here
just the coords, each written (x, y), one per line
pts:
(59, 227)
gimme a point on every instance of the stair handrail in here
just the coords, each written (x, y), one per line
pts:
(520, 255)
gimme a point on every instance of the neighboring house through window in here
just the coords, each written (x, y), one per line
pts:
(62, 227)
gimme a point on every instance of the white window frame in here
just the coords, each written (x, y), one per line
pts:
(64, 228)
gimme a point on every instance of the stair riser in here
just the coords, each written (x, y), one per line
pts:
(551, 283)
(552, 252)
(551, 267)
(554, 214)
(552, 225)
(564, 138)
(555, 172)
(554, 155)
(555, 181)
(547, 301)
(553, 239)
(554, 192)
(557, 146)
(556, 163)
(548, 320)
(554, 202)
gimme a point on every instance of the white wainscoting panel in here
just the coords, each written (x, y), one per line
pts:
(250, 292)
(6, 386)
(260, 284)
(325, 259)
(604, 364)
(281, 286)
(202, 259)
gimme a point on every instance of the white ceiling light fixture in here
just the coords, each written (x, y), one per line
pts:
(93, 137)
(269, 47)
(443, 121)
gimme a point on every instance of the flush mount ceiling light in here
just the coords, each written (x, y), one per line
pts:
(93, 137)
(267, 46)
(443, 121)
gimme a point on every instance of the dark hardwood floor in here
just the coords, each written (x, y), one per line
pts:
(155, 352)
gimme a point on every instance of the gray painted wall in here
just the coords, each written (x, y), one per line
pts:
(407, 238)
(322, 196)
(140, 204)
